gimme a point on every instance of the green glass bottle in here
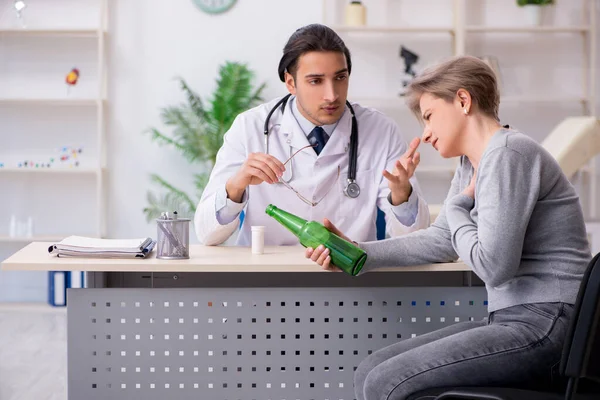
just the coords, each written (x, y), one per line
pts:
(344, 254)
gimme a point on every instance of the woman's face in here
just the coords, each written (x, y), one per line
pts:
(444, 123)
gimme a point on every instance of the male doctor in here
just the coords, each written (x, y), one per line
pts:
(312, 129)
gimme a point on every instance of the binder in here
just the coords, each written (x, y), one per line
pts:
(86, 247)
(57, 288)
(76, 279)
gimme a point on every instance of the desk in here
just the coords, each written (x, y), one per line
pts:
(233, 325)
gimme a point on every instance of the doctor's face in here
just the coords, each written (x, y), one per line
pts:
(444, 122)
(320, 86)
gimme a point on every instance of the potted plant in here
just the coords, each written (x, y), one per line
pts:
(197, 133)
(533, 9)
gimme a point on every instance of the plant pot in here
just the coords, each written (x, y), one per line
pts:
(533, 14)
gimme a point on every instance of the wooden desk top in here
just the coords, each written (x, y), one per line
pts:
(35, 257)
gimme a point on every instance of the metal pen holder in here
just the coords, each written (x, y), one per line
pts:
(173, 237)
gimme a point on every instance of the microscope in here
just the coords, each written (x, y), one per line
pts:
(410, 59)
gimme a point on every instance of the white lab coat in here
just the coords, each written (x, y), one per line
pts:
(379, 146)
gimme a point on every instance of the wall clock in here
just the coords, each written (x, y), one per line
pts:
(214, 6)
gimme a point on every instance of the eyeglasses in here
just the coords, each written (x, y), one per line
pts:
(304, 199)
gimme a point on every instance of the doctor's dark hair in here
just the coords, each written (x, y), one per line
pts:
(314, 37)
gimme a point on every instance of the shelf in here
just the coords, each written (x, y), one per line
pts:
(54, 170)
(51, 102)
(527, 29)
(542, 99)
(399, 102)
(392, 29)
(451, 30)
(88, 33)
(35, 238)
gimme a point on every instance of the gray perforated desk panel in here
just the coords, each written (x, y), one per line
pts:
(291, 339)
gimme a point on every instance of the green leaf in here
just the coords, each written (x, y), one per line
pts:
(196, 131)
(163, 139)
(167, 202)
(194, 101)
(201, 180)
(186, 131)
(176, 193)
(522, 3)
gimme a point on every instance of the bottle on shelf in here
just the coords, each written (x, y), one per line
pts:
(356, 14)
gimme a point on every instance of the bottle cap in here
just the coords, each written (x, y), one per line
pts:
(258, 228)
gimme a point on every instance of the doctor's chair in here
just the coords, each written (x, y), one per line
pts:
(580, 361)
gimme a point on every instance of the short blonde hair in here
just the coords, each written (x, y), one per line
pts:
(445, 79)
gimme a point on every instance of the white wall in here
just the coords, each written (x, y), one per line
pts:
(150, 42)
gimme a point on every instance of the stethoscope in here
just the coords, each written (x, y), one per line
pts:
(352, 189)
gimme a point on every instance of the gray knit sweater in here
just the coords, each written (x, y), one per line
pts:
(523, 235)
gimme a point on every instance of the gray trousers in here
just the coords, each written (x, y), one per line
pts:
(513, 347)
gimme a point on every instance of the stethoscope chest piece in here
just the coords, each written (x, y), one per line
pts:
(352, 189)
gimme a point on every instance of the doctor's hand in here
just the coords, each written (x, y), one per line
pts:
(320, 255)
(258, 168)
(404, 169)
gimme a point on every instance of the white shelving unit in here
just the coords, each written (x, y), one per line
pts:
(56, 170)
(36, 238)
(459, 32)
(93, 167)
(50, 102)
(399, 101)
(391, 29)
(91, 33)
(528, 29)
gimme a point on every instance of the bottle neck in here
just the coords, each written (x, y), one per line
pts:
(292, 222)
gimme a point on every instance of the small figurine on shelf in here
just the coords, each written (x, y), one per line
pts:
(410, 59)
(19, 6)
(69, 155)
(60, 157)
(72, 78)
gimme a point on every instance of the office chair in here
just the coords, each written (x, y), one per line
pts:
(580, 355)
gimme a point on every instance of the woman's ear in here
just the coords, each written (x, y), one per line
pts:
(464, 97)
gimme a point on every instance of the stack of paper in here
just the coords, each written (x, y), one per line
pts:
(80, 246)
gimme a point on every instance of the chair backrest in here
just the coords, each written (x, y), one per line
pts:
(581, 353)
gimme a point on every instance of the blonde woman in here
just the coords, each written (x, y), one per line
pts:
(513, 217)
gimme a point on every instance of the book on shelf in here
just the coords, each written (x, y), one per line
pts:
(88, 247)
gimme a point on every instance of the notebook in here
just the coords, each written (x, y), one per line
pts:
(81, 246)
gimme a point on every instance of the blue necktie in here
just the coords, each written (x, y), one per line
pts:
(319, 137)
